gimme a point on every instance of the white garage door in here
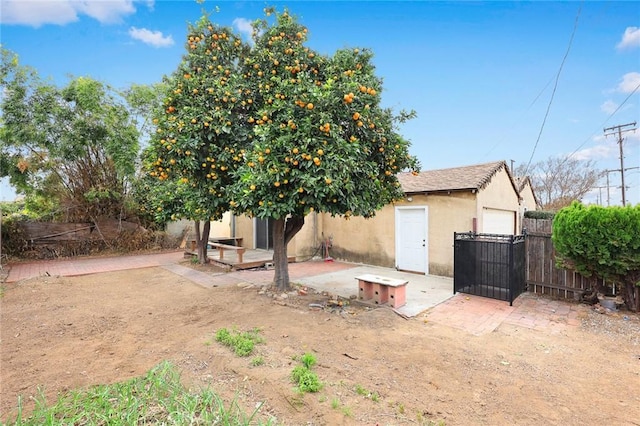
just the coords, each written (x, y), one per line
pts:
(496, 221)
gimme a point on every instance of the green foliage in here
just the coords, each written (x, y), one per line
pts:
(374, 396)
(308, 360)
(539, 214)
(257, 361)
(604, 241)
(273, 129)
(156, 398)
(601, 241)
(242, 343)
(305, 379)
(72, 146)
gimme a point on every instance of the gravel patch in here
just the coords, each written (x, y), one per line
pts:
(619, 325)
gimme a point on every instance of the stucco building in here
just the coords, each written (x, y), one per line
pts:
(416, 233)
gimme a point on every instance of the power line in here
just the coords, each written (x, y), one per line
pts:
(555, 86)
(604, 122)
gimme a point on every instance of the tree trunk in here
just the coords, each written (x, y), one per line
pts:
(632, 298)
(283, 231)
(202, 241)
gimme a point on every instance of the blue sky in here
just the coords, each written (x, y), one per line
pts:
(480, 75)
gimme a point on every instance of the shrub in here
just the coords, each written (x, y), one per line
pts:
(601, 241)
(539, 214)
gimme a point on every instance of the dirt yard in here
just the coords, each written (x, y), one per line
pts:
(66, 333)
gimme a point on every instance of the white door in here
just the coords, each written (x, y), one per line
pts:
(411, 239)
(496, 221)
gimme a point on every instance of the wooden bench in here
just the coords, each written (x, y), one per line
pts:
(222, 247)
(235, 241)
(232, 241)
(382, 290)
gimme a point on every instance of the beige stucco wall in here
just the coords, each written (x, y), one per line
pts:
(372, 241)
(448, 213)
(528, 200)
(244, 230)
(219, 228)
(369, 241)
(499, 194)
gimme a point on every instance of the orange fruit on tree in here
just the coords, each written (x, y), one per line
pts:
(356, 115)
(309, 106)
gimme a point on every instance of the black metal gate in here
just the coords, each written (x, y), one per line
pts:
(489, 265)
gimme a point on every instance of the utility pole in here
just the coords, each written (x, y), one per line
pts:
(620, 140)
(608, 194)
(606, 172)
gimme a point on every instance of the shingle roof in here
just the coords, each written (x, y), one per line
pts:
(453, 179)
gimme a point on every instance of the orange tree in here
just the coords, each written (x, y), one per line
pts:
(199, 135)
(297, 131)
(321, 141)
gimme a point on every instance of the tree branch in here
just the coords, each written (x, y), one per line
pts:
(292, 226)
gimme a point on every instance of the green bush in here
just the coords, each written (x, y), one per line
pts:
(539, 214)
(601, 241)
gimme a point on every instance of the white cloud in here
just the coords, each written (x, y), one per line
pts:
(608, 149)
(107, 12)
(630, 38)
(629, 83)
(244, 26)
(37, 13)
(61, 12)
(609, 107)
(154, 38)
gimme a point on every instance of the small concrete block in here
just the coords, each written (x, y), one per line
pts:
(398, 296)
(365, 291)
(380, 294)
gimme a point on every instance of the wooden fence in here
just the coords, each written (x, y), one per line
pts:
(542, 274)
(43, 240)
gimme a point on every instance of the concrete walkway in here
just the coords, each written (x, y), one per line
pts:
(429, 296)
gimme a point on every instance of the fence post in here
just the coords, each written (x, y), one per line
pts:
(510, 270)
